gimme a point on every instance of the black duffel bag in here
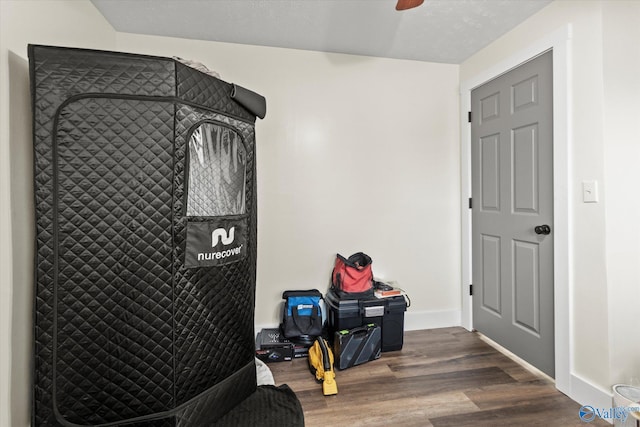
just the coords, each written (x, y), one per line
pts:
(302, 315)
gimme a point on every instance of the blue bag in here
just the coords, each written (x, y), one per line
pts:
(302, 315)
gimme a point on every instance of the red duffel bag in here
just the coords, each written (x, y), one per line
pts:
(352, 277)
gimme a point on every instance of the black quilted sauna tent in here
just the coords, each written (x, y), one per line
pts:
(146, 245)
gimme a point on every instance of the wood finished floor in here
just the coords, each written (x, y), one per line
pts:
(441, 377)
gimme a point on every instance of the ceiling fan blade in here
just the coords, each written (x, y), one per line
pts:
(408, 4)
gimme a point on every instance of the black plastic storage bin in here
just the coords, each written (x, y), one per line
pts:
(388, 313)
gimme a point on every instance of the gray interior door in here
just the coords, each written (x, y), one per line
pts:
(512, 217)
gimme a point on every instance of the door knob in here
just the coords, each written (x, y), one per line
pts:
(542, 229)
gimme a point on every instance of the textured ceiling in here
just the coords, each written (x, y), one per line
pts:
(446, 31)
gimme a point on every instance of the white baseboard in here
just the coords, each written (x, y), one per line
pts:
(416, 320)
(580, 390)
(413, 320)
(585, 393)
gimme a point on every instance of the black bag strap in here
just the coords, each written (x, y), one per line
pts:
(358, 260)
(306, 293)
(338, 282)
(309, 320)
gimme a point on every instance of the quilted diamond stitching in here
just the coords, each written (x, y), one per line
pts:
(204, 295)
(208, 407)
(67, 72)
(205, 90)
(53, 84)
(114, 342)
(58, 75)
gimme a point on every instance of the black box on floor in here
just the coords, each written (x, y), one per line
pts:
(388, 313)
(355, 346)
(300, 350)
(271, 346)
(393, 323)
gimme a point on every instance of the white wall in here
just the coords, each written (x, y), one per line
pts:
(595, 267)
(621, 34)
(360, 153)
(355, 154)
(64, 23)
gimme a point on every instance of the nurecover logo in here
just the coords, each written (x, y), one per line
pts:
(220, 235)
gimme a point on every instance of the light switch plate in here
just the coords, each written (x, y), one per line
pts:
(590, 191)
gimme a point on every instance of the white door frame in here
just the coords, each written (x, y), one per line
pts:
(560, 42)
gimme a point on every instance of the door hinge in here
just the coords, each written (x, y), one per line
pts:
(470, 289)
(470, 203)
(469, 116)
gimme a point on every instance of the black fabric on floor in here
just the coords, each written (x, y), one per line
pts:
(268, 406)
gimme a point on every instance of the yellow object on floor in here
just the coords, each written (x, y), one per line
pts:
(321, 365)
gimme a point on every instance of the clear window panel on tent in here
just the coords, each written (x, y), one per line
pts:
(217, 172)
